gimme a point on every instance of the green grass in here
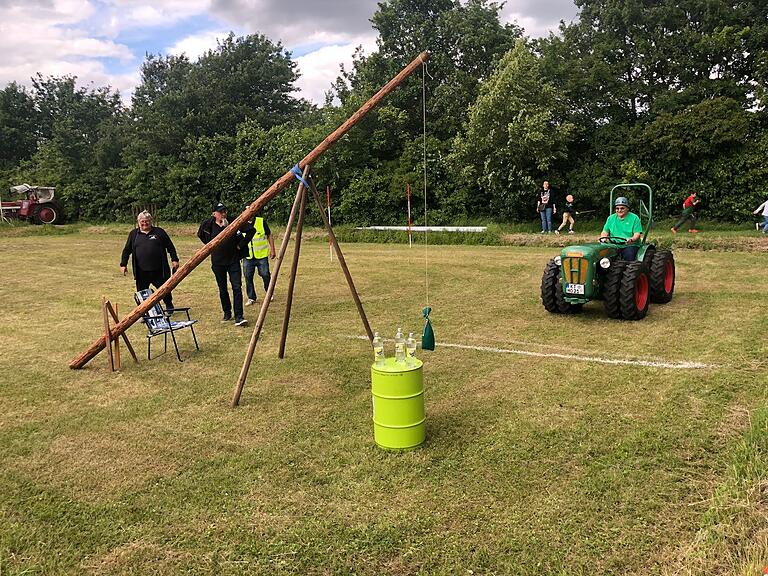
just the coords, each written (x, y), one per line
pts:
(532, 465)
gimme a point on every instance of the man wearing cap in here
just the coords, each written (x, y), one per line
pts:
(624, 225)
(225, 261)
(260, 249)
(146, 247)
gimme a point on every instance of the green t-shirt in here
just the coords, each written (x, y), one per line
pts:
(625, 228)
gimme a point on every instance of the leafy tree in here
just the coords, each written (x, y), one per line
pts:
(512, 136)
(18, 125)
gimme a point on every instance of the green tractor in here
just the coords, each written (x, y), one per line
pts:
(597, 271)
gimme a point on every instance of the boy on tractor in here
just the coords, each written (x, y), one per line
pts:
(623, 225)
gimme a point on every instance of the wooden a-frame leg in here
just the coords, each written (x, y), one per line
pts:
(268, 297)
(292, 278)
(342, 262)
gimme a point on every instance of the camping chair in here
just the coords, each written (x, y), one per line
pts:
(159, 322)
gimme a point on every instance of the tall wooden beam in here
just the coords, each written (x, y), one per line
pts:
(251, 211)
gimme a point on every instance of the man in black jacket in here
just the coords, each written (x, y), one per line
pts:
(225, 261)
(147, 246)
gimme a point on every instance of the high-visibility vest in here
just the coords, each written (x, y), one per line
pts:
(258, 247)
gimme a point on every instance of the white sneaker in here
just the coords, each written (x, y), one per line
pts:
(250, 302)
(571, 232)
(557, 232)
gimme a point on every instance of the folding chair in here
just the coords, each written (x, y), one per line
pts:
(159, 322)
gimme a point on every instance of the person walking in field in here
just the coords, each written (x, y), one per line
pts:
(568, 212)
(260, 250)
(225, 261)
(763, 211)
(690, 207)
(545, 206)
(146, 247)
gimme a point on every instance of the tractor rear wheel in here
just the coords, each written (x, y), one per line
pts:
(634, 294)
(552, 291)
(48, 213)
(662, 277)
(611, 287)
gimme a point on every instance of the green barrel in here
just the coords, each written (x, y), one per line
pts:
(398, 404)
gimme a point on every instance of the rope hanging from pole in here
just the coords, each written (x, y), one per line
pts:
(428, 336)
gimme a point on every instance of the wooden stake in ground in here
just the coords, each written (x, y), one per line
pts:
(113, 313)
(117, 342)
(251, 211)
(107, 335)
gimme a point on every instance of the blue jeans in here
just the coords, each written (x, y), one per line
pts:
(233, 271)
(250, 266)
(765, 224)
(546, 220)
(629, 253)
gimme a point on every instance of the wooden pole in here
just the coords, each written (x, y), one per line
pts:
(268, 297)
(259, 203)
(107, 336)
(113, 313)
(292, 278)
(342, 262)
(117, 341)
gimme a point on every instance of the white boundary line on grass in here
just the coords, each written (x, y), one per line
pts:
(597, 359)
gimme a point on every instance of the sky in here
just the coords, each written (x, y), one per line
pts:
(104, 42)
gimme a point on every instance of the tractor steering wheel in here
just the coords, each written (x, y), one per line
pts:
(616, 240)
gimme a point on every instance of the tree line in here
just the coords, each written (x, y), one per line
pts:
(669, 92)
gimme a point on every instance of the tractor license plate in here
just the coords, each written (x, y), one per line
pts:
(574, 288)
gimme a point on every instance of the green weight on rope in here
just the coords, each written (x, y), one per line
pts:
(428, 337)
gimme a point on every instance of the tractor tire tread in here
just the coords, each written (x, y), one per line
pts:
(611, 288)
(657, 277)
(629, 309)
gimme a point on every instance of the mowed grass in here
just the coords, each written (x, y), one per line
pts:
(532, 465)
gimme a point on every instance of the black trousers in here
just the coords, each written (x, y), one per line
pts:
(235, 278)
(155, 277)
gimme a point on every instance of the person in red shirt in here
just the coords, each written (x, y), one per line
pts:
(689, 213)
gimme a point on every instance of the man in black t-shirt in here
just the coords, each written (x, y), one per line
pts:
(225, 261)
(147, 246)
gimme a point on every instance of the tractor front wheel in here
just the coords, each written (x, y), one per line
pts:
(662, 277)
(634, 294)
(611, 287)
(552, 291)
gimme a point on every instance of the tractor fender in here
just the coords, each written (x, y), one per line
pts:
(645, 249)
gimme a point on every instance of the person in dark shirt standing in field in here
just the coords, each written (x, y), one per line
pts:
(147, 246)
(225, 261)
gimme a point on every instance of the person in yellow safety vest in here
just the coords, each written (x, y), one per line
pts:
(260, 249)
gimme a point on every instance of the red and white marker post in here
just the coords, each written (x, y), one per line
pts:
(408, 194)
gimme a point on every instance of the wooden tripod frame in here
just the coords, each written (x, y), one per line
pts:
(298, 205)
(99, 345)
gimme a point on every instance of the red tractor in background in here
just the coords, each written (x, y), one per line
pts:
(33, 203)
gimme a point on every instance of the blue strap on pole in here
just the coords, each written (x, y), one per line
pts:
(296, 171)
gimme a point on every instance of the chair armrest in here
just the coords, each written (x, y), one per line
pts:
(181, 308)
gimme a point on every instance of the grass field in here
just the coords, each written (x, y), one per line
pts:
(533, 464)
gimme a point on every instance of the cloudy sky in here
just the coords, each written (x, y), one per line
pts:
(105, 41)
